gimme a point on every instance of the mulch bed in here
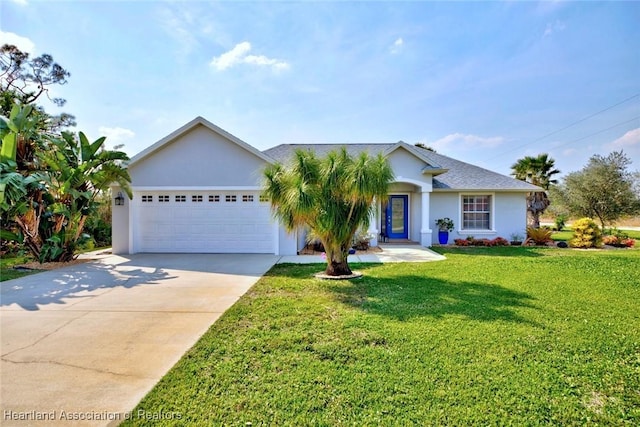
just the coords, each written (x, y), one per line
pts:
(371, 250)
(35, 265)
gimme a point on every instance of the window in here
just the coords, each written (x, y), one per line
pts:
(181, 198)
(476, 212)
(230, 198)
(196, 198)
(214, 198)
(163, 199)
(146, 199)
(264, 199)
(247, 198)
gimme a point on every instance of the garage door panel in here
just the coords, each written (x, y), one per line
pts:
(200, 227)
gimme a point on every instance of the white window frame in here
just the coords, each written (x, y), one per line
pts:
(492, 213)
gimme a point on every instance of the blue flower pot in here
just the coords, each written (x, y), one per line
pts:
(443, 237)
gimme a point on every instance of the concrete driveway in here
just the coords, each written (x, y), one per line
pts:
(83, 344)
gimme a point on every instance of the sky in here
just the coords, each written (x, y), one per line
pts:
(482, 82)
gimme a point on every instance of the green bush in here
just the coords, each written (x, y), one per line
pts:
(560, 222)
(586, 234)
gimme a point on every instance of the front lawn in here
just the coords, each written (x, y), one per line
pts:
(7, 264)
(491, 336)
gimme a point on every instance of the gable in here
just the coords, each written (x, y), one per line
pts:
(197, 157)
(406, 164)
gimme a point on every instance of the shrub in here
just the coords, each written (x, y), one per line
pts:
(586, 234)
(540, 236)
(499, 241)
(560, 222)
(470, 241)
(618, 242)
(480, 242)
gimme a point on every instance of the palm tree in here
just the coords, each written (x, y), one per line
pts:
(333, 196)
(537, 171)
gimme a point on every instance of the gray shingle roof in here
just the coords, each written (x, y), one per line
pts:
(458, 176)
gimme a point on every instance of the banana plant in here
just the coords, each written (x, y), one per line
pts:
(78, 171)
(19, 126)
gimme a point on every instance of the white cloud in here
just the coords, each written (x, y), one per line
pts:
(554, 27)
(20, 2)
(239, 55)
(397, 46)
(629, 139)
(232, 57)
(22, 43)
(459, 141)
(116, 135)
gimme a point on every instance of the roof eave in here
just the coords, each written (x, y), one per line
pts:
(434, 171)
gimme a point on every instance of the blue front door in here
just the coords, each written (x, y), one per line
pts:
(398, 217)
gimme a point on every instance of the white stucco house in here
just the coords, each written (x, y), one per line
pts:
(198, 190)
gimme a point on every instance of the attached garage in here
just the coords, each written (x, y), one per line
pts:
(202, 222)
(198, 191)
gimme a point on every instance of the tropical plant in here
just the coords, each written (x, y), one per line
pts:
(586, 234)
(537, 171)
(333, 196)
(51, 204)
(540, 236)
(445, 224)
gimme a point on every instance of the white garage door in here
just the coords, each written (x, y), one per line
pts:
(202, 222)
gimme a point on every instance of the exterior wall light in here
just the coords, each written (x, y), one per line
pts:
(119, 199)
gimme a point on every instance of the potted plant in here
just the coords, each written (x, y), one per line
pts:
(445, 225)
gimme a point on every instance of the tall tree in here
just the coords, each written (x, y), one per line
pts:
(333, 195)
(603, 189)
(537, 171)
(24, 80)
(50, 179)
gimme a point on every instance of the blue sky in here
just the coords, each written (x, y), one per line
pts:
(483, 82)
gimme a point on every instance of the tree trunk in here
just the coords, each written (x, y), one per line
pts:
(537, 203)
(337, 264)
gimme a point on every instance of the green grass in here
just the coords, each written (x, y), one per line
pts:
(491, 336)
(6, 267)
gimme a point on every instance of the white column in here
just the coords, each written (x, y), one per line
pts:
(425, 229)
(373, 224)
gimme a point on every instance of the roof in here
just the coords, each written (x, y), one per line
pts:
(448, 174)
(198, 121)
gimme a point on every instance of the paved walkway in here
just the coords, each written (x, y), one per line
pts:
(390, 253)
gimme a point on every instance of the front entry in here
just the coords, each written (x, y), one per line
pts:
(397, 217)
